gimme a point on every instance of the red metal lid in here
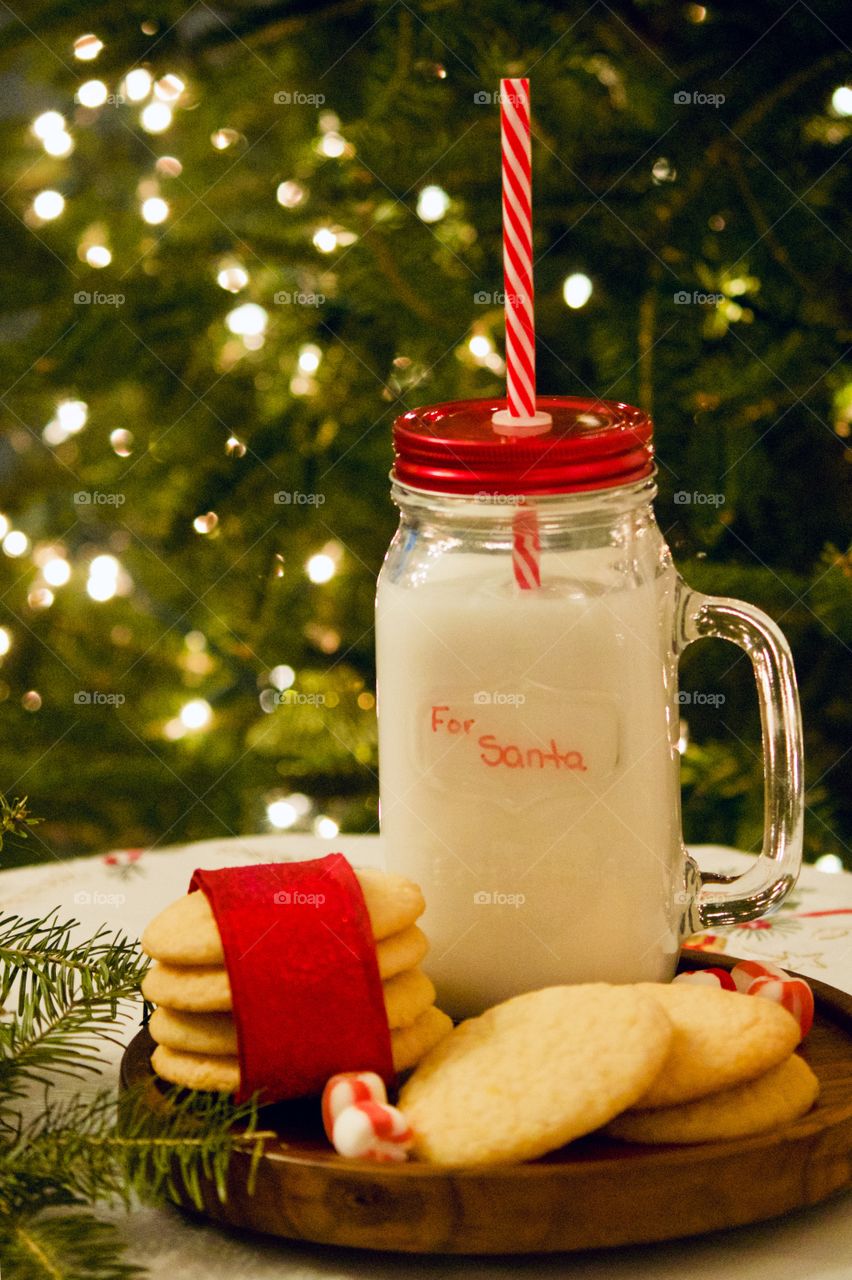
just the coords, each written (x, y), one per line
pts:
(453, 448)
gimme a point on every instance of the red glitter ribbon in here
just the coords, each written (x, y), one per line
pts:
(305, 985)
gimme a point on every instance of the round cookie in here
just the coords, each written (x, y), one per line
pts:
(720, 1039)
(196, 1070)
(204, 1033)
(778, 1097)
(197, 989)
(407, 996)
(409, 1045)
(185, 932)
(535, 1072)
(403, 950)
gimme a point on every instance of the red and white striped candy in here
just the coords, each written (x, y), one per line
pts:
(347, 1088)
(708, 978)
(745, 972)
(372, 1131)
(793, 994)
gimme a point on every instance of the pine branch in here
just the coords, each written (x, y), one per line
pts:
(65, 1043)
(82, 1151)
(70, 1246)
(15, 819)
(52, 972)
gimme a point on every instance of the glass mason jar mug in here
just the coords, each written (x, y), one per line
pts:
(528, 730)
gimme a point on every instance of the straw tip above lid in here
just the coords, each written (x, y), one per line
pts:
(535, 424)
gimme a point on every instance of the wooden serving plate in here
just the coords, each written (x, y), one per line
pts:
(594, 1193)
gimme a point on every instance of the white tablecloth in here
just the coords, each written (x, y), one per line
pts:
(812, 934)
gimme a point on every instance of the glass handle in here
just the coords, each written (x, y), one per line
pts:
(735, 899)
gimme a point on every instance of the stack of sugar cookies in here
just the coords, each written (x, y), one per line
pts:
(193, 1024)
(647, 1062)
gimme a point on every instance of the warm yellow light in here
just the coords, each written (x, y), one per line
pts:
(103, 578)
(432, 204)
(87, 47)
(56, 572)
(249, 320)
(72, 415)
(98, 255)
(325, 240)
(48, 205)
(58, 144)
(326, 828)
(156, 117)
(281, 814)
(232, 277)
(47, 123)
(290, 194)
(196, 714)
(154, 210)
(137, 84)
(332, 145)
(282, 676)
(16, 544)
(576, 290)
(480, 345)
(5, 640)
(310, 356)
(320, 568)
(169, 88)
(92, 94)
(841, 100)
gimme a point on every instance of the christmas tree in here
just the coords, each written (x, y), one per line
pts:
(239, 240)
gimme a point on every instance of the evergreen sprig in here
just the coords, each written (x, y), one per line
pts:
(60, 1001)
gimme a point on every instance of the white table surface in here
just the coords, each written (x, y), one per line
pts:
(812, 934)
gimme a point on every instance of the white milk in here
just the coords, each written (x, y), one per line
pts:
(529, 772)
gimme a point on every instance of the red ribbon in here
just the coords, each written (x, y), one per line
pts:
(305, 985)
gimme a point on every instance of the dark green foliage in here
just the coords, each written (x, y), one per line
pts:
(752, 397)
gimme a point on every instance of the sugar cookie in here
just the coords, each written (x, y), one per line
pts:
(535, 1072)
(721, 1038)
(779, 1096)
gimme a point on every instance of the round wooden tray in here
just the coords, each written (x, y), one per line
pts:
(593, 1193)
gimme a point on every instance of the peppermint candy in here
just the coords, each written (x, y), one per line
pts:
(344, 1090)
(753, 978)
(372, 1131)
(708, 978)
(359, 1122)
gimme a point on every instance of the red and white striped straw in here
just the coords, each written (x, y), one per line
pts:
(517, 246)
(526, 549)
(520, 418)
